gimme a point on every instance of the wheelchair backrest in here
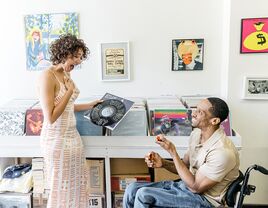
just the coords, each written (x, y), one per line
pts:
(233, 189)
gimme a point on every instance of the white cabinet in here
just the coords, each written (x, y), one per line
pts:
(106, 147)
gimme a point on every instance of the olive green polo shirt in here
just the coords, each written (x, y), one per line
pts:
(217, 159)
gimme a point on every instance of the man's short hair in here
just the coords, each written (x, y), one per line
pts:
(219, 108)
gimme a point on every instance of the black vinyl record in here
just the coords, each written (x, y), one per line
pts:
(108, 112)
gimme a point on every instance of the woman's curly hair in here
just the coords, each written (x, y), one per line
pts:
(66, 45)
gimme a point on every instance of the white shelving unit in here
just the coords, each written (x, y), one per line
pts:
(106, 147)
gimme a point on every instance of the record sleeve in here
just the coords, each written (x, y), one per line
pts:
(110, 112)
(172, 122)
(226, 126)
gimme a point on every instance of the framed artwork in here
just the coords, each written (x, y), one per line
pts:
(115, 61)
(40, 31)
(187, 54)
(255, 88)
(254, 35)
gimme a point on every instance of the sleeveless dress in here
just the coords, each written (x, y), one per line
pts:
(65, 163)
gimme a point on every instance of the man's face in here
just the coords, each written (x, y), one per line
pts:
(201, 116)
(187, 58)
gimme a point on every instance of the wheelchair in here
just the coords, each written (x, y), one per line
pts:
(240, 187)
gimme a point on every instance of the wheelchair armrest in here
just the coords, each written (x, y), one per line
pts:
(233, 189)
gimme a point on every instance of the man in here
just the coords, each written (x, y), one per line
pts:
(207, 169)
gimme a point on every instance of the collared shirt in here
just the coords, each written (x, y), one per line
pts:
(217, 159)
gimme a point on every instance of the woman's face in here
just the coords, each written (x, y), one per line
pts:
(73, 60)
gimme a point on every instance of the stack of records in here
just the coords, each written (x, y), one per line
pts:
(168, 116)
(34, 120)
(110, 112)
(135, 122)
(191, 101)
(12, 116)
(39, 181)
(84, 126)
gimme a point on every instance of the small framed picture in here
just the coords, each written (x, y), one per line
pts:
(254, 35)
(115, 61)
(187, 54)
(255, 88)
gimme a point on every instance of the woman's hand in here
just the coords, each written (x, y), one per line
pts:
(68, 83)
(93, 103)
(153, 160)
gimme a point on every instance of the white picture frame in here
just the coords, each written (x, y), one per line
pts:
(255, 87)
(115, 64)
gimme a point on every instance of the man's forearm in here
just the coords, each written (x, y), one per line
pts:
(169, 165)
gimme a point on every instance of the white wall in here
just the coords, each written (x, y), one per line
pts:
(249, 116)
(150, 26)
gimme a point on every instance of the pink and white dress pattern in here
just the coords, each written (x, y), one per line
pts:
(65, 162)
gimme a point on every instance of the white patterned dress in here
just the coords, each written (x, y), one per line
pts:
(65, 163)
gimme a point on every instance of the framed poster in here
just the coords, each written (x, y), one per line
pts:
(115, 61)
(187, 54)
(254, 35)
(255, 88)
(40, 31)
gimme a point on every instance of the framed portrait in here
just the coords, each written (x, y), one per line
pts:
(187, 54)
(115, 61)
(254, 35)
(40, 31)
(255, 88)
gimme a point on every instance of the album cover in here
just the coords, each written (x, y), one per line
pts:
(110, 112)
(226, 125)
(34, 122)
(172, 122)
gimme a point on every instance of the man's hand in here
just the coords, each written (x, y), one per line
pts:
(153, 160)
(166, 144)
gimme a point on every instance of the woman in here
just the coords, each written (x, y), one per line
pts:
(60, 140)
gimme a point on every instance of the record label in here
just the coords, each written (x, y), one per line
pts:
(108, 112)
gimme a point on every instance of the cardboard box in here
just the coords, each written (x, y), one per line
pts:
(118, 200)
(96, 176)
(161, 174)
(121, 166)
(96, 201)
(40, 200)
(120, 182)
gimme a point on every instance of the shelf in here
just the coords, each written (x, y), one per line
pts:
(100, 147)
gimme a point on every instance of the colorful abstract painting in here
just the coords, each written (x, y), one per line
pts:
(254, 35)
(40, 31)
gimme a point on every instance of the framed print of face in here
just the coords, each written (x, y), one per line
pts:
(187, 54)
(254, 35)
(255, 88)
